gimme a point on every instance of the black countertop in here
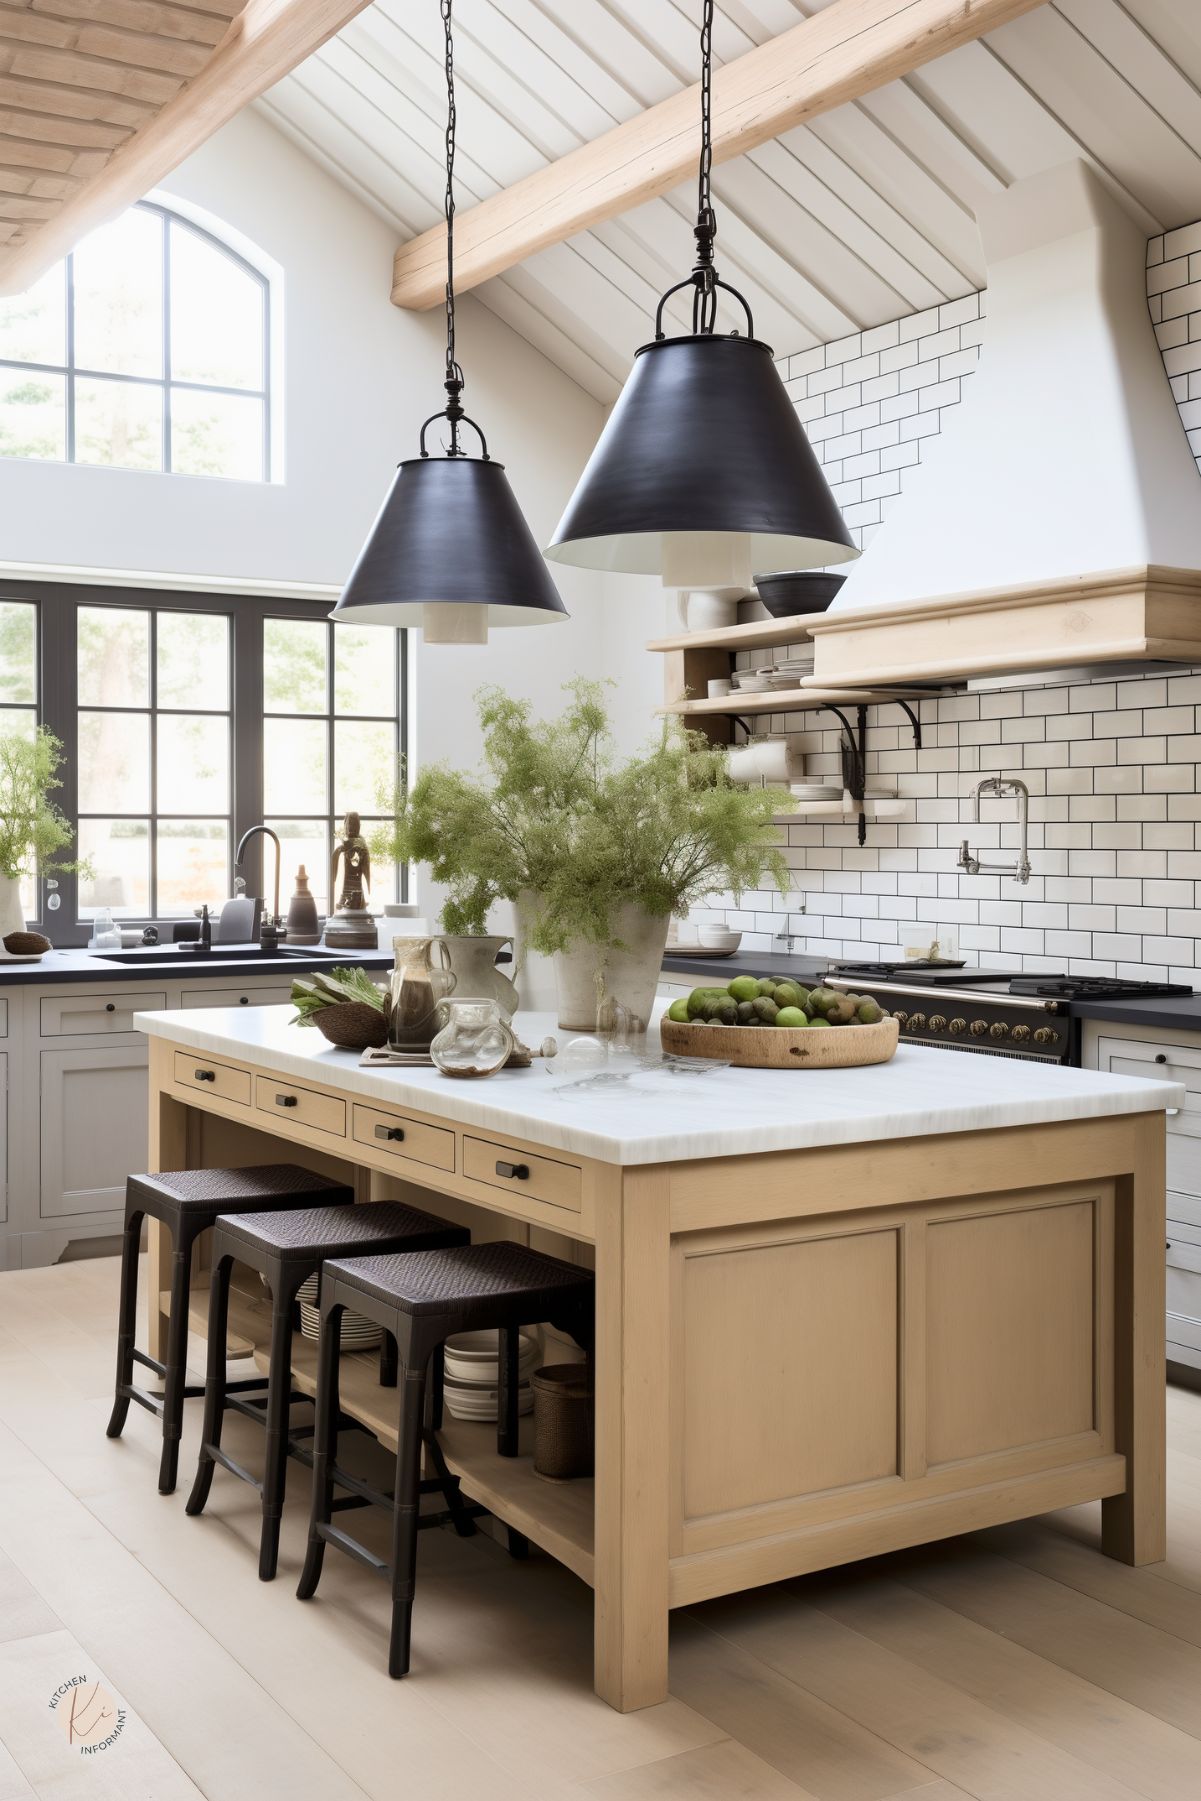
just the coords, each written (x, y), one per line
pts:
(1181, 1013)
(174, 965)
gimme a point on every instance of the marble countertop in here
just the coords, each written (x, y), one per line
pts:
(654, 1116)
(163, 962)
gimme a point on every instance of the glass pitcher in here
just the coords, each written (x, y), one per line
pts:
(418, 985)
(475, 1041)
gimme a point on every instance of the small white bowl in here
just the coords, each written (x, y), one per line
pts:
(719, 938)
(719, 688)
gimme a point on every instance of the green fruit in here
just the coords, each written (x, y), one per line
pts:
(765, 985)
(699, 997)
(787, 995)
(743, 988)
(870, 1012)
(819, 1000)
(840, 1012)
(766, 1008)
(791, 1016)
(679, 1011)
(819, 1022)
(746, 1013)
(723, 1010)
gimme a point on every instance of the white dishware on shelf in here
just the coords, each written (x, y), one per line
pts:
(767, 759)
(472, 1372)
(720, 687)
(708, 609)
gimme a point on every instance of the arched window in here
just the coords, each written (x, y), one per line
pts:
(147, 348)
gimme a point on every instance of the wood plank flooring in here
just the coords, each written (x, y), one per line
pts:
(1014, 1665)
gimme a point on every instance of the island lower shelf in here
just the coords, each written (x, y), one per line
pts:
(556, 1516)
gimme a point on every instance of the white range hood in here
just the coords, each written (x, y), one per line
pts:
(1058, 517)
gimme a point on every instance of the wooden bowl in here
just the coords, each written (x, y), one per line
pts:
(353, 1025)
(783, 1047)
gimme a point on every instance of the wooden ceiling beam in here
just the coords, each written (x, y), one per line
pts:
(262, 44)
(835, 56)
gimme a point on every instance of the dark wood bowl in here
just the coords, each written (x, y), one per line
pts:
(793, 592)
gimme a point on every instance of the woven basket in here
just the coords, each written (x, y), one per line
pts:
(563, 1421)
(354, 1025)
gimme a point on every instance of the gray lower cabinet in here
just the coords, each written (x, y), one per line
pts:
(93, 1119)
(1172, 1057)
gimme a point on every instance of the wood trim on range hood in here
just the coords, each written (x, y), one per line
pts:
(1142, 613)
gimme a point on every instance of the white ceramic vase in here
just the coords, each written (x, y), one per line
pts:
(12, 918)
(594, 980)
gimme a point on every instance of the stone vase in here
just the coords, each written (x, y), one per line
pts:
(595, 980)
(12, 917)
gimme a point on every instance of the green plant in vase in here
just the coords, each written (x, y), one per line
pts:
(33, 833)
(597, 853)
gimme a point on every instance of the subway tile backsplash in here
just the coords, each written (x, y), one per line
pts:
(1111, 764)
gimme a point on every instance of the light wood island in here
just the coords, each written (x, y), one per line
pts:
(838, 1312)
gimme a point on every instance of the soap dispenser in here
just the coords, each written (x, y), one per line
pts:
(303, 925)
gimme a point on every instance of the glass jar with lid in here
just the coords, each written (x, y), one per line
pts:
(475, 1041)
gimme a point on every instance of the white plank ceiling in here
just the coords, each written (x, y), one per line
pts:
(863, 215)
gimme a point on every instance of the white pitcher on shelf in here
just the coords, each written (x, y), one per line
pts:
(708, 609)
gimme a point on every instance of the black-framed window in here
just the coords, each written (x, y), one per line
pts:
(148, 347)
(187, 718)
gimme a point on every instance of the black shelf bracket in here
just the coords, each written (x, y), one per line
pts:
(854, 749)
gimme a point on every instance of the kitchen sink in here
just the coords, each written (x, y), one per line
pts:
(159, 956)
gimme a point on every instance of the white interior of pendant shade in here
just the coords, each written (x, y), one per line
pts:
(647, 553)
(412, 615)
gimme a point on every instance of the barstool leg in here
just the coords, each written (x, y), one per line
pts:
(127, 1321)
(325, 1445)
(214, 1384)
(387, 1359)
(406, 1506)
(177, 1359)
(275, 1468)
(507, 1392)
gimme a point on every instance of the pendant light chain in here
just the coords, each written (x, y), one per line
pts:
(704, 300)
(454, 374)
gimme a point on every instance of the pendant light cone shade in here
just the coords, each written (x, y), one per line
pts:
(703, 443)
(451, 531)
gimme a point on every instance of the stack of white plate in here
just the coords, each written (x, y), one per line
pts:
(471, 1361)
(752, 681)
(816, 790)
(358, 1334)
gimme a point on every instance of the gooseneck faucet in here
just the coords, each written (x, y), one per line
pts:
(999, 786)
(269, 932)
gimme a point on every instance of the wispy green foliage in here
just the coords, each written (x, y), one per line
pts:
(554, 817)
(32, 830)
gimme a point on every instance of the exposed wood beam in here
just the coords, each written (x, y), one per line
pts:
(846, 50)
(266, 40)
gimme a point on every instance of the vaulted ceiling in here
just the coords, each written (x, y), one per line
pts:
(863, 215)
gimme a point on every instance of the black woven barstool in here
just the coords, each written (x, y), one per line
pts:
(187, 1201)
(287, 1248)
(422, 1299)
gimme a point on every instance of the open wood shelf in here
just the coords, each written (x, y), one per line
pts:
(791, 700)
(557, 1516)
(758, 634)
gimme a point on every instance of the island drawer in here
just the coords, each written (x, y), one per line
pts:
(285, 1100)
(75, 1015)
(540, 1178)
(408, 1140)
(1165, 1062)
(193, 1069)
(235, 997)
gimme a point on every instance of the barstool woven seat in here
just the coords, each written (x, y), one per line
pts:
(187, 1202)
(286, 1249)
(422, 1298)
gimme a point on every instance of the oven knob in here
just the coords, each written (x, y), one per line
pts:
(978, 1028)
(1045, 1035)
(902, 1019)
(999, 1029)
(938, 1022)
(957, 1026)
(917, 1022)
(1021, 1033)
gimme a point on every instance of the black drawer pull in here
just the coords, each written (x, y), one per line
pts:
(110, 1006)
(1160, 1057)
(243, 1000)
(285, 1100)
(205, 1075)
(393, 1134)
(517, 1172)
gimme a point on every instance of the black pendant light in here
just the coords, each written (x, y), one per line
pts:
(703, 472)
(450, 549)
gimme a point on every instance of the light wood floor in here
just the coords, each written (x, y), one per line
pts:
(1017, 1665)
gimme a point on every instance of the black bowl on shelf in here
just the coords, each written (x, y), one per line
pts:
(791, 592)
